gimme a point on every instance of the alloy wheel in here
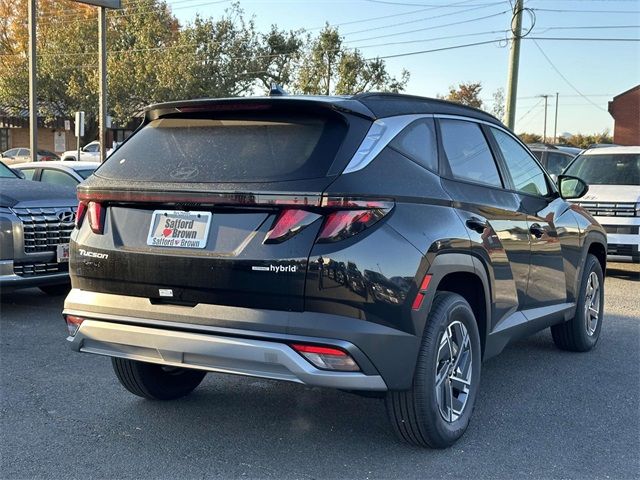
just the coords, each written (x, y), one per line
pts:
(592, 304)
(453, 371)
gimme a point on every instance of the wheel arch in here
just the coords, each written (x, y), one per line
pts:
(465, 275)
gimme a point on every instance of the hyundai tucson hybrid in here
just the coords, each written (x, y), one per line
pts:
(380, 244)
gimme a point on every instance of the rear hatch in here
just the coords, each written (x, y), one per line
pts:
(215, 202)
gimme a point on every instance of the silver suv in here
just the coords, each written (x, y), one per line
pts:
(36, 220)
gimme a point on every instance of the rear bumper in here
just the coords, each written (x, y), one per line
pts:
(242, 356)
(239, 340)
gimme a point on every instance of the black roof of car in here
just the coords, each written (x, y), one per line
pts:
(369, 105)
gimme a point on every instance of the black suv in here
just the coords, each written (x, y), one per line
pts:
(381, 244)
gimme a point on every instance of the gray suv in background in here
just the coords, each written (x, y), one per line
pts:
(36, 220)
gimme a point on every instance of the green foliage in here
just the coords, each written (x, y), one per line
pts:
(152, 58)
(328, 67)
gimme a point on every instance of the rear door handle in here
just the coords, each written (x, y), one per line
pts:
(476, 224)
(536, 230)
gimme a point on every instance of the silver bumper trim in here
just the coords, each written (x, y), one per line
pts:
(255, 358)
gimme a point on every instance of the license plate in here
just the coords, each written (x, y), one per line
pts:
(62, 252)
(175, 228)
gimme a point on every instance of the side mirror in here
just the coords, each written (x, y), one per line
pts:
(571, 187)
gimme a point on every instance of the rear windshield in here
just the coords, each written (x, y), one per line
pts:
(614, 169)
(259, 149)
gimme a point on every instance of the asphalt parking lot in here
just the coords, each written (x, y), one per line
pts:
(541, 413)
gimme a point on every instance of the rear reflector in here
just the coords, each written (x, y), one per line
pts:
(288, 223)
(327, 358)
(424, 286)
(73, 323)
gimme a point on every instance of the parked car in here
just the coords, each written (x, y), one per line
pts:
(553, 158)
(57, 173)
(225, 236)
(36, 220)
(613, 175)
(89, 153)
(20, 155)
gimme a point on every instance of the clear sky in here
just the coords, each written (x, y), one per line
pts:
(593, 71)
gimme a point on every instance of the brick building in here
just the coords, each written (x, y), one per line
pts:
(53, 135)
(625, 110)
(14, 132)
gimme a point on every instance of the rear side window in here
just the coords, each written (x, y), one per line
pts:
(418, 142)
(259, 149)
(527, 175)
(28, 173)
(557, 162)
(56, 177)
(468, 153)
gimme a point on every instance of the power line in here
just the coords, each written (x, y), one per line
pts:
(403, 4)
(529, 111)
(586, 39)
(415, 21)
(385, 17)
(430, 28)
(565, 78)
(558, 10)
(451, 47)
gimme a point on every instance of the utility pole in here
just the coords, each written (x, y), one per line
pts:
(544, 131)
(328, 74)
(514, 61)
(102, 72)
(555, 123)
(33, 100)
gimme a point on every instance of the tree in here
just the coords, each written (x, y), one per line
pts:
(466, 93)
(583, 141)
(498, 108)
(328, 67)
(152, 58)
(530, 137)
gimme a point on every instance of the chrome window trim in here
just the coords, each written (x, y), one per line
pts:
(380, 134)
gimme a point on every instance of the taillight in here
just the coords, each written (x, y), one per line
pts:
(288, 223)
(96, 217)
(73, 323)
(327, 358)
(424, 286)
(343, 224)
(82, 210)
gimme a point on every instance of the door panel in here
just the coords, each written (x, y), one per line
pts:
(547, 285)
(503, 244)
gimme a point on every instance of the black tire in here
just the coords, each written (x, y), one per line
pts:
(415, 414)
(55, 290)
(577, 335)
(156, 382)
